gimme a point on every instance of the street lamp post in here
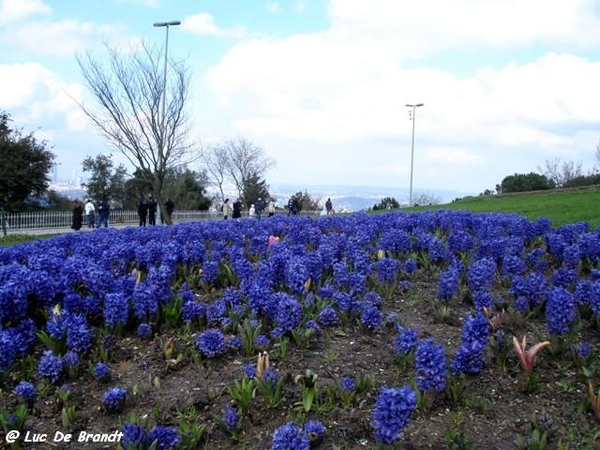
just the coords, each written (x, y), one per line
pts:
(172, 23)
(412, 150)
(164, 96)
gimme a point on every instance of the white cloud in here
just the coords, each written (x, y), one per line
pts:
(420, 28)
(56, 38)
(452, 156)
(300, 6)
(34, 94)
(17, 10)
(329, 91)
(273, 7)
(204, 23)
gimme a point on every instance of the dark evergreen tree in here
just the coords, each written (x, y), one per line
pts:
(308, 202)
(24, 168)
(387, 203)
(520, 182)
(253, 189)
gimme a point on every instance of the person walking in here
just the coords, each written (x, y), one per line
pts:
(226, 208)
(293, 206)
(103, 212)
(152, 206)
(259, 207)
(90, 213)
(271, 208)
(169, 208)
(143, 210)
(252, 211)
(237, 209)
(77, 221)
(328, 206)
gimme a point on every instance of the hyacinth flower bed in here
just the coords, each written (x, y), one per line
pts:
(399, 330)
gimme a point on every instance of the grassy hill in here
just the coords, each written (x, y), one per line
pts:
(560, 206)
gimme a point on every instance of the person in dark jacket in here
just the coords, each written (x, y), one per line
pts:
(293, 205)
(103, 212)
(77, 221)
(169, 208)
(237, 209)
(143, 210)
(152, 206)
(259, 207)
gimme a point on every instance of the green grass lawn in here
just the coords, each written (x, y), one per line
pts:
(560, 206)
(12, 239)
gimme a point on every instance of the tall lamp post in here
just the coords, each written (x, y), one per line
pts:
(412, 149)
(172, 23)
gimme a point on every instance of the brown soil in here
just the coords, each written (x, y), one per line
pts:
(492, 412)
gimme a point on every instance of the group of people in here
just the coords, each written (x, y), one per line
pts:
(255, 211)
(147, 208)
(89, 209)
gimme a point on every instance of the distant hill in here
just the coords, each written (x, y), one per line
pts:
(357, 198)
(344, 198)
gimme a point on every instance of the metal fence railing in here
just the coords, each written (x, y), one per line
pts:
(57, 220)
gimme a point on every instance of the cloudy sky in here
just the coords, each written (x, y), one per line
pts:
(321, 85)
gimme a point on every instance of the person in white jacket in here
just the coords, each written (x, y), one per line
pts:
(90, 213)
(226, 208)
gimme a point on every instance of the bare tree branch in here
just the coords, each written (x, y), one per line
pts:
(128, 93)
(236, 160)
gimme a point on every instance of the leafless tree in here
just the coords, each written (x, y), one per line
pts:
(561, 172)
(129, 90)
(215, 163)
(424, 198)
(236, 160)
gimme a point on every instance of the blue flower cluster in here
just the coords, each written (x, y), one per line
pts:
(328, 317)
(387, 269)
(166, 438)
(134, 435)
(114, 399)
(144, 330)
(116, 309)
(289, 313)
(50, 366)
(211, 342)
(393, 408)
(469, 358)
(528, 290)
(94, 282)
(448, 283)
(230, 418)
(348, 383)
(481, 274)
(406, 341)
(290, 437)
(430, 365)
(314, 430)
(561, 311)
(371, 317)
(26, 391)
(102, 372)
